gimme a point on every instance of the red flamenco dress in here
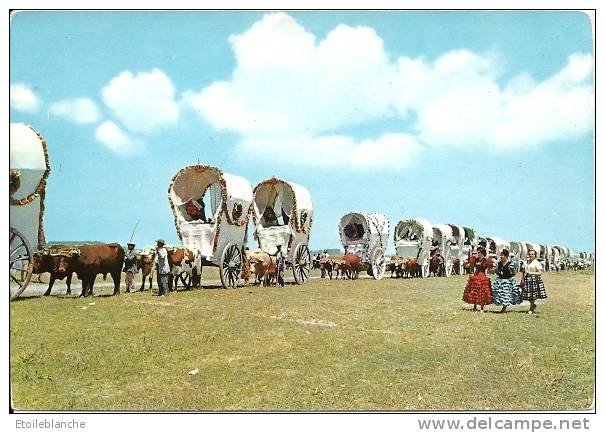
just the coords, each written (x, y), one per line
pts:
(478, 290)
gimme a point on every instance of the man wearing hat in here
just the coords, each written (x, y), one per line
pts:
(163, 267)
(280, 261)
(130, 267)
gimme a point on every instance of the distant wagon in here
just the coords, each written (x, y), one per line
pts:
(413, 238)
(518, 251)
(495, 245)
(29, 169)
(366, 235)
(443, 238)
(283, 215)
(463, 243)
(216, 234)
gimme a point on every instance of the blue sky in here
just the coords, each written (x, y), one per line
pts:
(484, 119)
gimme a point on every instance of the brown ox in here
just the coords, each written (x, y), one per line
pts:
(264, 266)
(145, 261)
(411, 268)
(182, 261)
(348, 266)
(94, 259)
(437, 264)
(326, 266)
(395, 266)
(57, 265)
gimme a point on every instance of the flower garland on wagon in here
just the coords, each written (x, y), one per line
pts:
(198, 168)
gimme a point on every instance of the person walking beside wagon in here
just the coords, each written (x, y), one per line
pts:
(130, 267)
(532, 286)
(163, 267)
(504, 288)
(478, 288)
(280, 260)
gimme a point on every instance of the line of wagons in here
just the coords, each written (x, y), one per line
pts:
(282, 213)
(423, 249)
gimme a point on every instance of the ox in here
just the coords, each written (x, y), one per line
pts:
(145, 262)
(94, 259)
(395, 266)
(348, 266)
(182, 260)
(56, 264)
(436, 264)
(265, 266)
(410, 267)
(326, 266)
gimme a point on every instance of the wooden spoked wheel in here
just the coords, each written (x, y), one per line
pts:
(378, 264)
(19, 263)
(231, 266)
(302, 264)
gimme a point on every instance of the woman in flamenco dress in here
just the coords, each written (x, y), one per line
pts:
(478, 289)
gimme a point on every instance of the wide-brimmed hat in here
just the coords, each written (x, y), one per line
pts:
(131, 243)
(160, 241)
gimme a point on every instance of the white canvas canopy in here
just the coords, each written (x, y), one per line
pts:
(28, 157)
(496, 245)
(193, 182)
(288, 202)
(362, 231)
(413, 229)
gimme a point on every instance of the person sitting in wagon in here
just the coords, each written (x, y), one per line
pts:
(196, 209)
(269, 217)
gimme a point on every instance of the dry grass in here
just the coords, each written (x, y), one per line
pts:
(325, 345)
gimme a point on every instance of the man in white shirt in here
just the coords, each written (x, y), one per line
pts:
(163, 267)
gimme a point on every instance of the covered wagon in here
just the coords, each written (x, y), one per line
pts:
(413, 238)
(283, 215)
(211, 210)
(29, 168)
(443, 238)
(366, 235)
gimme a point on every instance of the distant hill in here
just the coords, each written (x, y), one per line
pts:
(331, 251)
(49, 243)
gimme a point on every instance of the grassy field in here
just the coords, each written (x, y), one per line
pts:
(325, 345)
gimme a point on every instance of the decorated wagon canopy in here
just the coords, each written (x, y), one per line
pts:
(229, 195)
(496, 244)
(29, 165)
(458, 234)
(364, 227)
(279, 202)
(442, 233)
(413, 229)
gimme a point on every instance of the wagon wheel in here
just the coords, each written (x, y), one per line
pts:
(231, 266)
(20, 263)
(424, 269)
(302, 264)
(449, 268)
(378, 264)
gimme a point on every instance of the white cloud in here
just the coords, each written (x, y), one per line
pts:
(143, 102)
(388, 150)
(78, 110)
(22, 98)
(289, 88)
(116, 140)
(459, 103)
